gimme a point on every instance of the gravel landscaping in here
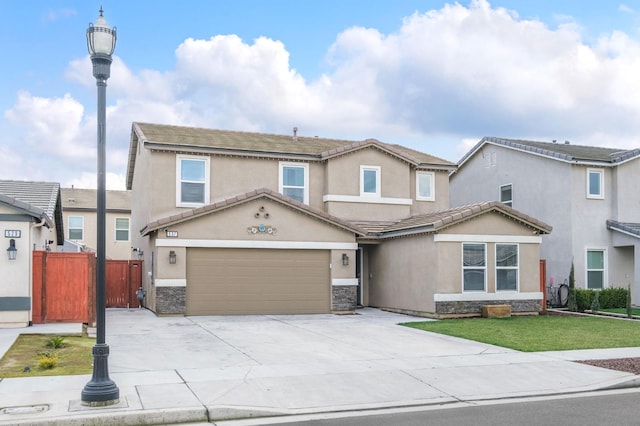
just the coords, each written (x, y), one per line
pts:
(630, 365)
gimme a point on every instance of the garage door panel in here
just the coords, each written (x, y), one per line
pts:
(257, 281)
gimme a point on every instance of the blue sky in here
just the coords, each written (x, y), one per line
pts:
(433, 75)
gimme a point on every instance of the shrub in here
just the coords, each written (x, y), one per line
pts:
(584, 298)
(608, 298)
(613, 298)
(47, 361)
(572, 302)
(56, 342)
(595, 303)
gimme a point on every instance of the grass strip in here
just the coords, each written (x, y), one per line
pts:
(540, 333)
(22, 359)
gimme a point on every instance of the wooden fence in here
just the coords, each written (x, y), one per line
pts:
(64, 286)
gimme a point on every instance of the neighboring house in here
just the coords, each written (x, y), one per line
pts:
(79, 211)
(248, 223)
(30, 219)
(588, 194)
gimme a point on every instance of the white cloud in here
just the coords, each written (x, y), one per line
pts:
(439, 83)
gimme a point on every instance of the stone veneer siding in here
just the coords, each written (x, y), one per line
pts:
(475, 307)
(171, 300)
(343, 298)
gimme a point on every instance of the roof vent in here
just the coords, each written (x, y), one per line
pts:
(295, 134)
(566, 142)
(555, 141)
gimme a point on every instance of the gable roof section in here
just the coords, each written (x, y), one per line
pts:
(437, 221)
(226, 142)
(632, 229)
(40, 200)
(244, 198)
(566, 152)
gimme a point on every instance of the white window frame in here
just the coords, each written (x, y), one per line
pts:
(587, 270)
(484, 268)
(507, 268)
(206, 161)
(599, 172)
(115, 226)
(506, 202)
(81, 228)
(432, 186)
(281, 186)
(364, 169)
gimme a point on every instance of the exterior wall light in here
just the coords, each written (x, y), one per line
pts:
(345, 259)
(12, 251)
(172, 257)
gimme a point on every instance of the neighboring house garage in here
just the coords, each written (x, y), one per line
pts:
(257, 281)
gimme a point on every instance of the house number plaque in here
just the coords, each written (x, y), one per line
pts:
(12, 233)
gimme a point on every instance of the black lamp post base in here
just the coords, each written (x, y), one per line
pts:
(101, 391)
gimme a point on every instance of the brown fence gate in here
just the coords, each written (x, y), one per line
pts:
(64, 286)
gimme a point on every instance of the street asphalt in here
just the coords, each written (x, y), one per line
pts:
(213, 368)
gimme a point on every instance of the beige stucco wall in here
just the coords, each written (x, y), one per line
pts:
(407, 272)
(441, 201)
(403, 274)
(119, 250)
(233, 225)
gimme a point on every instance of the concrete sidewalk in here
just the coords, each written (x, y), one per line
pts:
(200, 369)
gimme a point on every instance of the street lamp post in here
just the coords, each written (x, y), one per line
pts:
(101, 390)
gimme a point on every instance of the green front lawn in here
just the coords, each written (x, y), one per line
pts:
(540, 333)
(623, 311)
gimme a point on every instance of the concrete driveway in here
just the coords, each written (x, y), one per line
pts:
(140, 341)
(198, 369)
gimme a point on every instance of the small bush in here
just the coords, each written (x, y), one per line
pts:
(584, 298)
(595, 303)
(608, 298)
(56, 342)
(47, 361)
(613, 298)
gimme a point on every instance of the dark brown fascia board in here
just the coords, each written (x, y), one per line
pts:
(192, 149)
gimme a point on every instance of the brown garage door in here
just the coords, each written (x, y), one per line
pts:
(257, 281)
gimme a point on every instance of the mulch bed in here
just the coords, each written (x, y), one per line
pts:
(629, 365)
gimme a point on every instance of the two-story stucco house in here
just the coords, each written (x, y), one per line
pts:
(30, 219)
(588, 194)
(80, 217)
(248, 223)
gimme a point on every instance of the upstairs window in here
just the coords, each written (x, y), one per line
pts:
(474, 266)
(122, 229)
(370, 181)
(506, 195)
(595, 269)
(193, 181)
(294, 178)
(507, 267)
(76, 228)
(425, 186)
(595, 183)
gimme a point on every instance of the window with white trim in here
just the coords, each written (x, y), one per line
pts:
(507, 267)
(425, 186)
(76, 228)
(192, 181)
(370, 181)
(474, 266)
(595, 269)
(122, 229)
(294, 181)
(595, 183)
(506, 194)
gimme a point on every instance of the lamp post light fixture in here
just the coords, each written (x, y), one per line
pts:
(101, 390)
